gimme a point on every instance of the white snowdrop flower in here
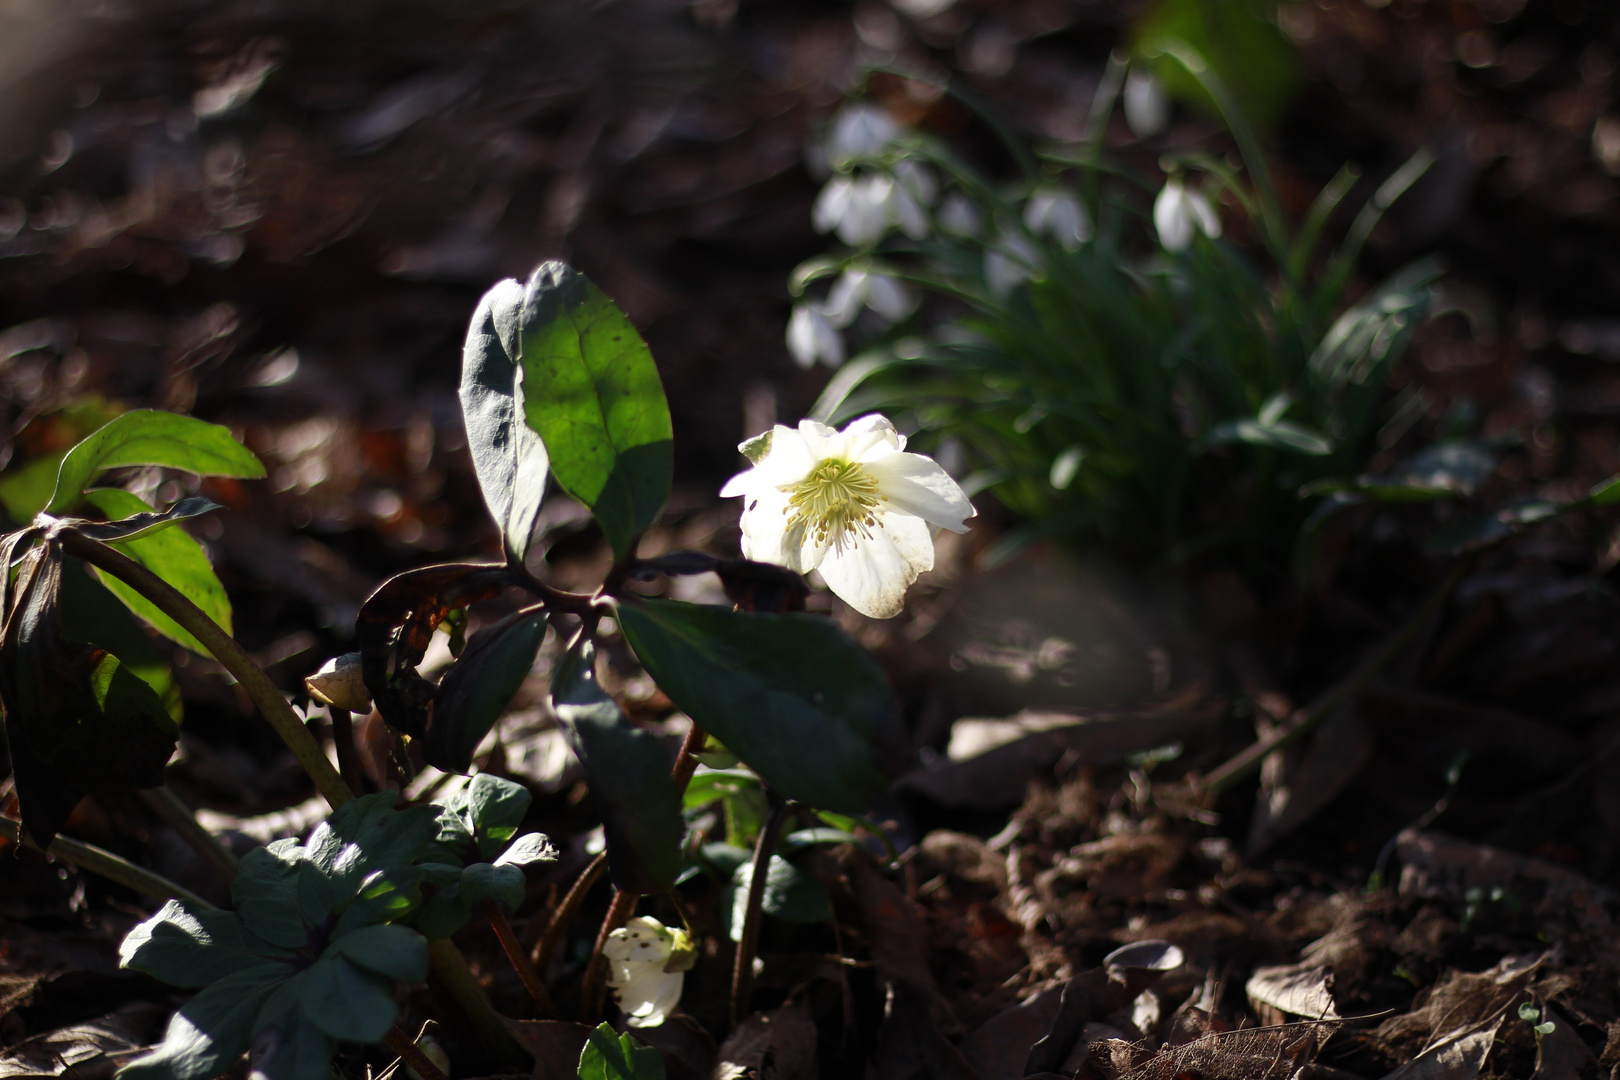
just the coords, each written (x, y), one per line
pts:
(811, 336)
(958, 216)
(902, 207)
(856, 208)
(865, 287)
(1177, 212)
(1009, 262)
(918, 180)
(648, 962)
(860, 130)
(850, 504)
(1147, 107)
(1056, 212)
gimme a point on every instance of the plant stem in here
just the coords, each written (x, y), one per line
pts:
(235, 659)
(1247, 762)
(742, 972)
(558, 927)
(593, 992)
(411, 1054)
(686, 761)
(454, 979)
(106, 864)
(343, 741)
(520, 960)
(179, 817)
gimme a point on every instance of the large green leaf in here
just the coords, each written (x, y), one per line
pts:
(792, 695)
(610, 1056)
(90, 612)
(790, 894)
(507, 454)
(194, 948)
(591, 390)
(148, 437)
(210, 1032)
(628, 774)
(477, 690)
(477, 819)
(173, 555)
(348, 1002)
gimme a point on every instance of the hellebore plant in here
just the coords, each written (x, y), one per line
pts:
(558, 390)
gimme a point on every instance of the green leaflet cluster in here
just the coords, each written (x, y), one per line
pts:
(320, 936)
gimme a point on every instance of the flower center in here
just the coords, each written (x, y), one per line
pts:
(836, 503)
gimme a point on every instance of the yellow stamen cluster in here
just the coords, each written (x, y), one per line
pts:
(837, 502)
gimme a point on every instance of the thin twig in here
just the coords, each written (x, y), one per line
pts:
(1246, 763)
(742, 972)
(686, 761)
(179, 817)
(593, 992)
(224, 648)
(520, 960)
(557, 929)
(411, 1054)
(107, 865)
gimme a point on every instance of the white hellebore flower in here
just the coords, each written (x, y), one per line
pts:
(649, 962)
(1055, 212)
(1177, 212)
(887, 296)
(860, 130)
(811, 336)
(849, 503)
(1147, 108)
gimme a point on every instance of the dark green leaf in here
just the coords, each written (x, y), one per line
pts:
(1376, 329)
(628, 774)
(477, 690)
(1606, 493)
(714, 784)
(502, 884)
(194, 948)
(1279, 435)
(265, 891)
(286, 1046)
(592, 392)
(478, 818)
(795, 841)
(1480, 532)
(609, 1056)
(172, 555)
(210, 1032)
(117, 530)
(77, 721)
(792, 695)
(347, 1002)
(90, 612)
(148, 437)
(790, 894)
(509, 457)
(443, 913)
(366, 835)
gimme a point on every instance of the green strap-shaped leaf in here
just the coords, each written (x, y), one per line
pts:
(610, 1056)
(173, 555)
(628, 774)
(792, 695)
(507, 454)
(592, 392)
(149, 437)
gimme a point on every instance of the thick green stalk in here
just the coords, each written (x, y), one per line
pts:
(106, 864)
(224, 648)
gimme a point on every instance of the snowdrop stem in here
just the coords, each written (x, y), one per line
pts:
(742, 972)
(1102, 105)
(520, 960)
(593, 992)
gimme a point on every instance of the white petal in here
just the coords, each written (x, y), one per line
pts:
(871, 436)
(905, 211)
(845, 298)
(872, 575)
(860, 130)
(649, 1002)
(1204, 214)
(741, 484)
(919, 180)
(890, 297)
(1002, 273)
(915, 484)
(832, 204)
(958, 215)
(802, 337)
(1147, 108)
(1171, 217)
(866, 218)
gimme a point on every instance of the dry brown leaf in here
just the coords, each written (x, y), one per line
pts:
(1458, 1056)
(778, 1045)
(89, 1051)
(910, 1046)
(1270, 1053)
(1302, 989)
(555, 1044)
